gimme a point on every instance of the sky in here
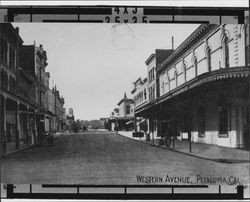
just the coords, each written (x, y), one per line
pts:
(92, 65)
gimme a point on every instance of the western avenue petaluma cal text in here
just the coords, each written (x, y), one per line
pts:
(187, 179)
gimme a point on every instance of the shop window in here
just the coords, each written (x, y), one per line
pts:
(174, 128)
(223, 117)
(201, 122)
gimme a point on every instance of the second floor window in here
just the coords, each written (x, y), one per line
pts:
(162, 86)
(153, 92)
(208, 56)
(225, 51)
(195, 65)
(127, 109)
(184, 67)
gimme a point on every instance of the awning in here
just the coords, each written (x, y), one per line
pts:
(221, 74)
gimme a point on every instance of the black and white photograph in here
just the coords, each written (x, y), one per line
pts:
(119, 103)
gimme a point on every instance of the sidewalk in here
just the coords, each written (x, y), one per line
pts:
(201, 150)
(11, 148)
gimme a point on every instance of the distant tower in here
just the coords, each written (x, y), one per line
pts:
(70, 113)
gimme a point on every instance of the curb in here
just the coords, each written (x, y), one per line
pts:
(16, 151)
(225, 161)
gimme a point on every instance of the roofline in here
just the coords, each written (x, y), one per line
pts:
(150, 58)
(137, 80)
(183, 45)
(124, 100)
(16, 32)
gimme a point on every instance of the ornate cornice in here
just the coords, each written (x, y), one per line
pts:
(198, 35)
(150, 58)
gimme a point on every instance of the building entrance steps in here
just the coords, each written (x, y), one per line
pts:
(200, 150)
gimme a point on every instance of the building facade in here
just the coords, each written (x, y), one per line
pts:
(19, 115)
(59, 110)
(203, 88)
(140, 97)
(122, 117)
(26, 111)
(33, 60)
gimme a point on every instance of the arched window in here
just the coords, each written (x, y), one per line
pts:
(195, 63)
(225, 51)
(208, 56)
(184, 67)
(168, 82)
(175, 76)
(242, 44)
